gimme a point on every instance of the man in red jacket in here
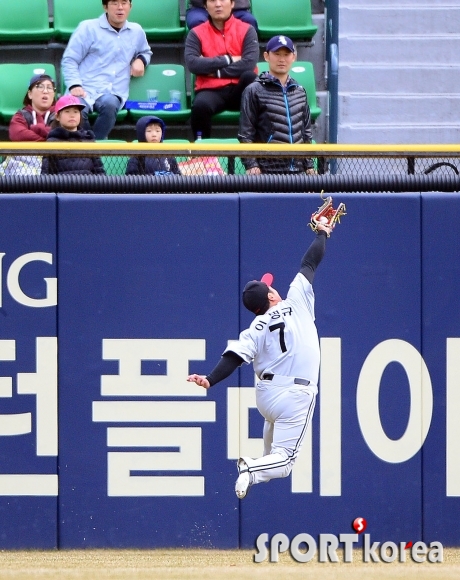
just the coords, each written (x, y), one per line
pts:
(196, 13)
(223, 54)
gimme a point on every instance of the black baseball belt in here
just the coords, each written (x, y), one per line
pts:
(269, 377)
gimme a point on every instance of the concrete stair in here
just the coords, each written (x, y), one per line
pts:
(398, 71)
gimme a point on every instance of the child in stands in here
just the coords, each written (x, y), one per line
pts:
(151, 129)
(67, 127)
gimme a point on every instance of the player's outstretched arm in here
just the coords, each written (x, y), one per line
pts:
(229, 361)
(200, 380)
(315, 253)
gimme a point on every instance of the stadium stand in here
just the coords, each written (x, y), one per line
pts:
(396, 71)
(163, 78)
(160, 20)
(60, 17)
(290, 17)
(67, 15)
(304, 74)
(25, 21)
(14, 80)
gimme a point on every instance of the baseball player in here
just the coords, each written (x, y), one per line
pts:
(282, 343)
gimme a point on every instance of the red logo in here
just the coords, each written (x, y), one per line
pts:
(359, 525)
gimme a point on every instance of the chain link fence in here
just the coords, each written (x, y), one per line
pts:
(298, 167)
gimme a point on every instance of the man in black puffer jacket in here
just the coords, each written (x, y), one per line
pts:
(274, 109)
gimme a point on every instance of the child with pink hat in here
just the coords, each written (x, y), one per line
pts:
(67, 127)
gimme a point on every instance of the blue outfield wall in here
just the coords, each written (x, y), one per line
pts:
(104, 444)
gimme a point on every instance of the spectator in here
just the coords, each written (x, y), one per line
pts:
(67, 127)
(32, 123)
(274, 109)
(222, 53)
(196, 13)
(99, 59)
(151, 130)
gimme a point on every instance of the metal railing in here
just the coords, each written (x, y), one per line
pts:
(221, 167)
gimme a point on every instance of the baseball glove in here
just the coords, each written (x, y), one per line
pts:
(327, 215)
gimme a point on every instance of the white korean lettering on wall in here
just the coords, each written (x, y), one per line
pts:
(125, 475)
(240, 400)
(43, 384)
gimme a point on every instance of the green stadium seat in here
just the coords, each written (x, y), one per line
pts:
(223, 118)
(68, 15)
(227, 118)
(303, 72)
(25, 21)
(164, 78)
(160, 20)
(14, 81)
(290, 17)
(114, 164)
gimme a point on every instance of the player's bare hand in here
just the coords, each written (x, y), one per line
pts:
(311, 171)
(200, 380)
(137, 68)
(253, 171)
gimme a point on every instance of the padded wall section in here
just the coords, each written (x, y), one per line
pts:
(28, 372)
(441, 351)
(149, 291)
(363, 458)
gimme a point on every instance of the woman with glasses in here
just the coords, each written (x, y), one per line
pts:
(32, 123)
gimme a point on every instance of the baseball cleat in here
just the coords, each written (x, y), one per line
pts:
(244, 481)
(242, 485)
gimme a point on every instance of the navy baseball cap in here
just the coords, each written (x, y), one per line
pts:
(278, 42)
(38, 78)
(255, 294)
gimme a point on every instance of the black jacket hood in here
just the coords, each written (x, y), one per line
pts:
(141, 125)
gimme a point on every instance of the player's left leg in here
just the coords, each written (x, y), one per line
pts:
(293, 409)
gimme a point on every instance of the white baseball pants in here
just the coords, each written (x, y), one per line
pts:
(287, 409)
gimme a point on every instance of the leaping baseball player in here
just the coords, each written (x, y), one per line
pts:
(282, 342)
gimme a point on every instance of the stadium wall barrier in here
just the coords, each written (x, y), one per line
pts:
(109, 301)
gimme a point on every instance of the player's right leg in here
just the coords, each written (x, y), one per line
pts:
(268, 436)
(244, 481)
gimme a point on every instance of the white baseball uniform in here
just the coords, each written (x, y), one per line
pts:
(284, 348)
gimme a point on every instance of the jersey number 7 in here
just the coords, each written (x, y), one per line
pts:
(280, 326)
